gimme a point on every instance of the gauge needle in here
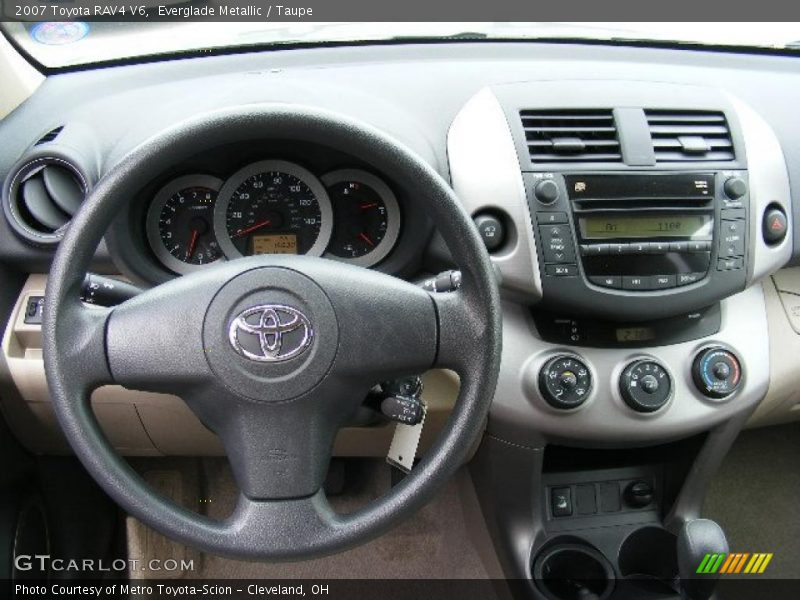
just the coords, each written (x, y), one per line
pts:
(251, 228)
(192, 244)
(366, 238)
(370, 205)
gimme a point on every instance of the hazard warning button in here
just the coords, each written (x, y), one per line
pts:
(774, 226)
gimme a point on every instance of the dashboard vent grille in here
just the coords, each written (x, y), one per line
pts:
(690, 135)
(43, 195)
(49, 136)
(571, 135)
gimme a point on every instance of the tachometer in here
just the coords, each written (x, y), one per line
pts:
(366, 217)
(273, 207)
(180, 223)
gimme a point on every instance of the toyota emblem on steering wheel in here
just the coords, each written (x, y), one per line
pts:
(270, 333)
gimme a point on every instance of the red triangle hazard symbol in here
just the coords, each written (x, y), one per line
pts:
(776, 224)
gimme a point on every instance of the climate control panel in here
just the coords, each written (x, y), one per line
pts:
(565, 382)
(717, 372)
(645, 385)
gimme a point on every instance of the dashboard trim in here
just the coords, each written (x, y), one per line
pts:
(486, 175)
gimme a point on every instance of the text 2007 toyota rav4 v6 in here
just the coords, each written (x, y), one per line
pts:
(548, 281)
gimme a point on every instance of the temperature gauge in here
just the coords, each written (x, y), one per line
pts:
(366, 217)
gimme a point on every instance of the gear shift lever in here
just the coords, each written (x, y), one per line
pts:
(697, 538)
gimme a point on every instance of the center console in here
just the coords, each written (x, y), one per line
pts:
(631, 224)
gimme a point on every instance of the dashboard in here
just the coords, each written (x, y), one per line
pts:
(632, 215)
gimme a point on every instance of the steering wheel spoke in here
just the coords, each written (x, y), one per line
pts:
(85, 356)
(461, 331)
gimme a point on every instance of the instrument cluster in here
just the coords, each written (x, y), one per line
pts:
(273, 207)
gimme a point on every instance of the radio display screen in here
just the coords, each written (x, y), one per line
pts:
(690, 227)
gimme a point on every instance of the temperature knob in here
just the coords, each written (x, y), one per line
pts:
(717, 372)
(645, 386)
(565, 382)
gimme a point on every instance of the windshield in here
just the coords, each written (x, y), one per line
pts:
(56, 45)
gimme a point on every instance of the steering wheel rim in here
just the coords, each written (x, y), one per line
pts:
(86, 347)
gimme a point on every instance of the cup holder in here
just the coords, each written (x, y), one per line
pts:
(573, 571)
(648, 560)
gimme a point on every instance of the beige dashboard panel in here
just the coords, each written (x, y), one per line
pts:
(147, 424)
(782, 299)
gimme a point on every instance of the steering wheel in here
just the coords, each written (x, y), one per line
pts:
(210, 338)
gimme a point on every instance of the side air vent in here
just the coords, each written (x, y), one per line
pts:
(689, 135)
(41, 197)
(571, 136)
(49, 136)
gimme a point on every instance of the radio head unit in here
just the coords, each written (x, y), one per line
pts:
(612, 244)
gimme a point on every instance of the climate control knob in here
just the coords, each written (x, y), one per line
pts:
(565, 382)
(645, 386)
(717, 372)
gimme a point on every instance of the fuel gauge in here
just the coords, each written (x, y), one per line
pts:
(366, 217)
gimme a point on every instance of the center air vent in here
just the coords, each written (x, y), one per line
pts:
(571, 136)
(689, 135)
(41, 197)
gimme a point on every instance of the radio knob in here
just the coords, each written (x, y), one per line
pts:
(645, 386)
(717, 372)
(565, 382)
(735, 187)
(546, 191)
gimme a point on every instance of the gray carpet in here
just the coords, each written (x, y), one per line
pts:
(756, 497)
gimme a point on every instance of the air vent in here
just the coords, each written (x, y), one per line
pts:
(41, 198)
(571, 136)
(689, 135)
(49, 136)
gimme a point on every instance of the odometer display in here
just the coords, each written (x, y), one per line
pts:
(273, 207)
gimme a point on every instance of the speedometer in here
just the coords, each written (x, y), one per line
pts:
(273, 207)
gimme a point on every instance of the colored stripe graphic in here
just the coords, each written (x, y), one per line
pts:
(741, 562)
(736, 562)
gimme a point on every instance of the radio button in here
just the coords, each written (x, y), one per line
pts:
(609, 281)
(731, 245)
(636, 282)
(562, 270)
(730, 264)
(699, 246)
(679, 246)
(659, 247)
(660, 282)
(732, 227)
(557, 244)
(732, 214)
(594, 249)
(617, 249)
(639, 248)
(551, 218)
(689, 278)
